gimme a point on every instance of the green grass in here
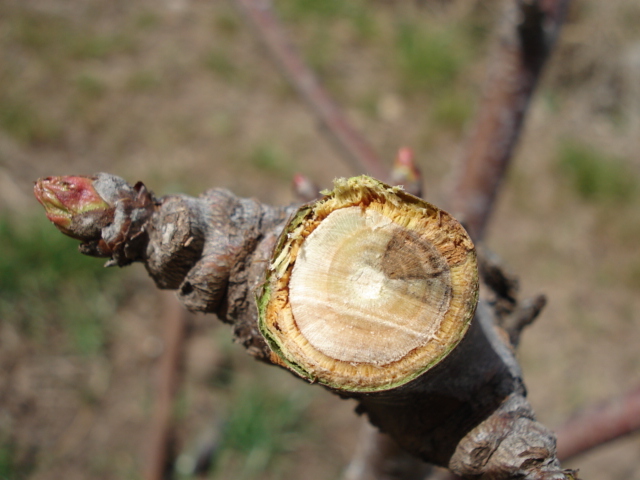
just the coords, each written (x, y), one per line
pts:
(312, 9)
(25, 123)
(220, 63)
(228, 24)
(13, 466)
(91, 86)
(428, 58)
(357, 12)
(8, 469)
(147, 20)
(451, 110)
(56, 38)
(320, 19)
(47, 289)
(595, 175)
(143, 81)
(270, 159)
(263, 424)
(60, 54)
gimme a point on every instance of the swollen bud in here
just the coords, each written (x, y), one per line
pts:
(102, 210)
(74, 206)
(304, 188)
(405, 172)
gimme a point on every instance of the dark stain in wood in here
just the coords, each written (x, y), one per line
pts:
(410, 257)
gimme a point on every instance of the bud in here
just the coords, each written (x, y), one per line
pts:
(304, 188)
(405, 172)
(73, 205)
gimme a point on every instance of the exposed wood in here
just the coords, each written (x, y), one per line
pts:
(369, 287)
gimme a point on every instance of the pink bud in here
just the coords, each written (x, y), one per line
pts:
(405, 171)
(67, 199)
(305, 188)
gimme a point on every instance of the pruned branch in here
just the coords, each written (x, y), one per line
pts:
(527, 36)
(357, 151)
(454, 400)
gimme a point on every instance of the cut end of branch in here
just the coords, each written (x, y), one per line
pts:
(368, 288)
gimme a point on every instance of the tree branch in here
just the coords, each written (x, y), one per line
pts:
(161, 438)
(600, 424)
(467, 412)
(357, 151)
(526, 40)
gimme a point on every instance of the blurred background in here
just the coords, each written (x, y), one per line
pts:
(181, 95)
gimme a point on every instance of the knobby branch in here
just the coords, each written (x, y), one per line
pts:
(368, 291)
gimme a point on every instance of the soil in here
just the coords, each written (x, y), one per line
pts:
(181, 95)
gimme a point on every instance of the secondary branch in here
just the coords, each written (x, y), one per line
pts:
(527, 36)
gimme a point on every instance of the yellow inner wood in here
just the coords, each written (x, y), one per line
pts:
(360, 293)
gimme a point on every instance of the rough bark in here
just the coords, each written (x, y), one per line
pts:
(468, 413)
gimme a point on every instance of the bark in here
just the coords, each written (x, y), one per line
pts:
(214, 251)
(468, 413)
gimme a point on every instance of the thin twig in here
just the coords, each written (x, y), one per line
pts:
(357, 151)
(161, 437)
(599, 424)
(528, 36)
